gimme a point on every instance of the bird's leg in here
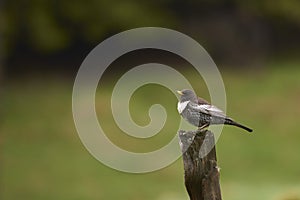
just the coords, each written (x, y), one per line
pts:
(203, 127)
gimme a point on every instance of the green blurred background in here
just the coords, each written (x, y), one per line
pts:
(255, 44)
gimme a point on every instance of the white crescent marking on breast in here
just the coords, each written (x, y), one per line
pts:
(181, 106)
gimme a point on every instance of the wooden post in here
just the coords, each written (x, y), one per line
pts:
(201, 173)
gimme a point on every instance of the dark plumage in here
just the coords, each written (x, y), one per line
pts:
(200, 113)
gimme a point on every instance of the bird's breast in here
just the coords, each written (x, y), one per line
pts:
(181, 106)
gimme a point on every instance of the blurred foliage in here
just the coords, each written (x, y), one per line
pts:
(49, 25)
(286, 10)
(53, 25)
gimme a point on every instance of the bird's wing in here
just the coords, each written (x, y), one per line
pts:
(202, 101)
(209, 109)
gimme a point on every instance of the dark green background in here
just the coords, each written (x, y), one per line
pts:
(255, 44)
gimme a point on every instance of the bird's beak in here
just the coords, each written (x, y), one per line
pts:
(179, 92)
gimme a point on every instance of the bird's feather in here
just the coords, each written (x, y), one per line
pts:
(209, 109)
(202, 101)
(181, 106)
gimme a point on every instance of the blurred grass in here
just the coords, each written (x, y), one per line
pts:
(43, 158)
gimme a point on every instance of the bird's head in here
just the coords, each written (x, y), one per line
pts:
(187, 95)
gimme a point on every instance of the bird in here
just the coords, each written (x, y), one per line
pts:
(200, 113)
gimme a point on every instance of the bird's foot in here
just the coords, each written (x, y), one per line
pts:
(203, 127)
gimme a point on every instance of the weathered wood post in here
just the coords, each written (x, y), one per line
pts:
(201, 172)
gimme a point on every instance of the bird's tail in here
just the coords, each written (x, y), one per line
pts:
(231, 122)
